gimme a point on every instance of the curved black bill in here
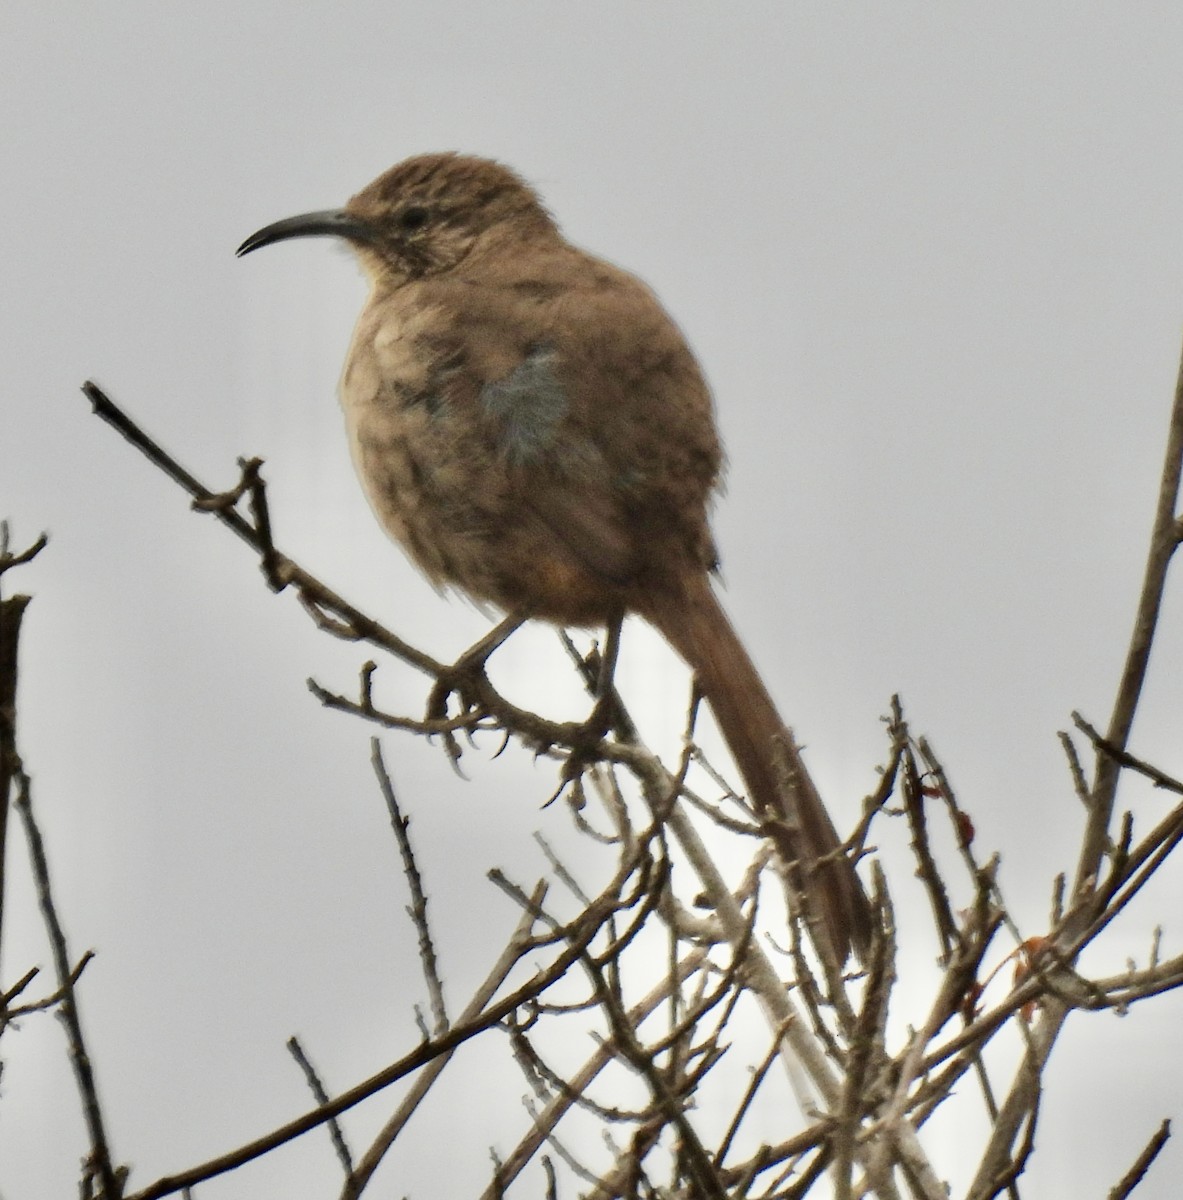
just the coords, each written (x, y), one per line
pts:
(333, 222)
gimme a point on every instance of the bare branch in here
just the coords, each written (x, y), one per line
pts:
(425, 1053)
(316, 592)
(1080, 785)
(322, 1097)
(8, 1014)
(8, 560)
(926, 866)
(12, 611)
(1124, 758)
(417, 910)
(1133, 1176)
(1164, 538)
(430, 1073)
(108, 1177)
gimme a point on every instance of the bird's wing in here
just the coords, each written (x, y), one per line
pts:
(562, 477)
(582, 415)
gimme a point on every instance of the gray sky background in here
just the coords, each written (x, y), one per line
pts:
(931, 259)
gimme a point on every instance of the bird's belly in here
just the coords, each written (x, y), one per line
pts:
(422, 493)
(449, 502)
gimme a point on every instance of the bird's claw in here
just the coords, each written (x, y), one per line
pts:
(583, 742)
(457, 681)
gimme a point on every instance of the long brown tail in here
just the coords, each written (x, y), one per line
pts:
(778, 784)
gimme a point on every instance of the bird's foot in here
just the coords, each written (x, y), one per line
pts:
(462, 680)
(584, 739)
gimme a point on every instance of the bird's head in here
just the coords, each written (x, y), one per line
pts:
(425, 216)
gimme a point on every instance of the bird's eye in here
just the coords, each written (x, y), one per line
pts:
(413, 218)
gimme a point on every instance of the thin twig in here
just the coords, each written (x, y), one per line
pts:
(759, 1074)
(925, 863)
(1133, 1176)
(6, 998)
(12, 611)
(322, 1097)
(424, 1080)
(46, 1002)
(8, 560)
(423, 1054)
(867, 1047)
(308, 585)
(1164, 538)
(1080, 785)
(701, 1170)
(100, 1152)
(1005, 1179)
(417, 909)
(1124, 758)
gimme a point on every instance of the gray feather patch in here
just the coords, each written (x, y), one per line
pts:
(528, 405)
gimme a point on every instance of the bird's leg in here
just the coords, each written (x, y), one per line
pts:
(587, 736)
(451, 681)
(599, 720)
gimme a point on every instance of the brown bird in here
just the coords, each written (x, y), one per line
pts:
(530, 424)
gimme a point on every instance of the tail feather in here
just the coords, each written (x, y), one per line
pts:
(768, 760)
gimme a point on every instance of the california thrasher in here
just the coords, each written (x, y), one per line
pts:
(530, 424)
